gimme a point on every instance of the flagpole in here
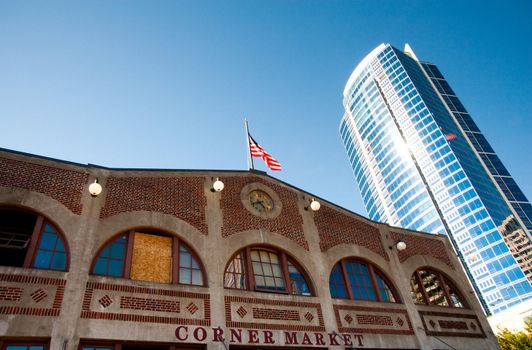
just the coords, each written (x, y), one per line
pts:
(250, 158)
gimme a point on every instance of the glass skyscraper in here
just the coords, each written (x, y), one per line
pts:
(421, 163)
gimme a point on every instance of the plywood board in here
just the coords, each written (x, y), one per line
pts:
(152, 258)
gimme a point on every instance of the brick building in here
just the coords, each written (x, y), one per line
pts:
(159, 260)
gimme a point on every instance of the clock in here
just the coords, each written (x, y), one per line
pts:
(261, 201)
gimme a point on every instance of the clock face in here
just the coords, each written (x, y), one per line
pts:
(261, 201)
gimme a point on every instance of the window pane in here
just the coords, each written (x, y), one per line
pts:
(197, 278)
(360, 281)
(115, 268)
(431, 283)
(100, 267)
(118, 250)
(235, 273)
(189, 267)
(336, 283)
(59, 261)
(48, 241)
(384, 289)
(184, 259)
(267, 271)
(297, 281)
(184, 276)
(111, 260)
(43, 259)
(50, 244)
(455, 298)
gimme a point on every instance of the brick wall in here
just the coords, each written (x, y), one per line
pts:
(236, 218)
(335, 228)
(65, 186)
(10, 293)
(422, 246)
(182, 197)
(275, 314)
(135, 303)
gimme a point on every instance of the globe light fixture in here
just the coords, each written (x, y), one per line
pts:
(217, 186)
(315, 205)
(400, 245)
(95, 188)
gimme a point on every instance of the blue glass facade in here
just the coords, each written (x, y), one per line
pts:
(416, 168)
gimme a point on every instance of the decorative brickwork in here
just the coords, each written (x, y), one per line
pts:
(449, 324)
(10, 293)
(38, 295)
(236, 218)
(453, 324)
(21, 291)
(274, 315)
(422, 246)
(375, 320)
(149, 304)
(335, 228)
(362, 319)
(192, 308)
(105, 301)
(167, 303)
(182, 197)
(65, 186)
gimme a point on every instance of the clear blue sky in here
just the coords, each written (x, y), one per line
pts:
(167, 84)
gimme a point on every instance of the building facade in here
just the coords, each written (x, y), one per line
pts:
(421, 162)
(160, 260)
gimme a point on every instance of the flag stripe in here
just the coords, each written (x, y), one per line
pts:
(258, 151)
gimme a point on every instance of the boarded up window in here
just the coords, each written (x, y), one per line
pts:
(152, 258)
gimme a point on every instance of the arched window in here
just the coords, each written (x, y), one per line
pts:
(433, 288)
(266, 270)
(359, 280)
(149, 256)
(27, 239)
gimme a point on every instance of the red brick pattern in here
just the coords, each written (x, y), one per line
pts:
(65, 186)
(37, 295)
(422, 246)
(275, 314)
(182, 197)
(375, 320)
(149, 304)
(105, 301)
(10, 293)
(335, 228)
(373, 316)
(192, 308)
(236, 218)
(451, 324)
(269, 304)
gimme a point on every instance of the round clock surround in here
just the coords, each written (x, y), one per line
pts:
(260, 200)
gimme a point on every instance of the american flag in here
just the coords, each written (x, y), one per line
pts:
(258, 151)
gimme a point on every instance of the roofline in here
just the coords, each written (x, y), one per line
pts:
(358, 69)
(249, 171)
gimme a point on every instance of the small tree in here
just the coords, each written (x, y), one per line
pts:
(516, 340)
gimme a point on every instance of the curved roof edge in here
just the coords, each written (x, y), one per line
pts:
(362, 65)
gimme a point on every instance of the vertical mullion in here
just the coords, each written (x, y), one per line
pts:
(422, 287)
(175, 260)
(34, 240)
(374, 282)
(346, 279)
(286, 274)
(129, 254)
(249, 267)
(445, 291)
